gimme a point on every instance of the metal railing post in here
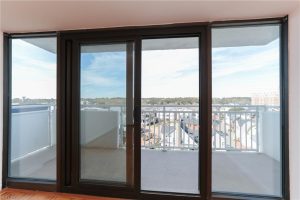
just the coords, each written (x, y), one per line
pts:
(164, 128)
(257, 128)
(121, 144)
(49, 125)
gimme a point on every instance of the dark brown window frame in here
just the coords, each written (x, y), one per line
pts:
(66, 58)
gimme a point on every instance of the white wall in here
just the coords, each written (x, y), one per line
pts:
(1, 102)
(294, 102)
(1, 99)
(26, 22)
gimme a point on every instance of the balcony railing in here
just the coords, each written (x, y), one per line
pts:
(234, 128)
(170, 127)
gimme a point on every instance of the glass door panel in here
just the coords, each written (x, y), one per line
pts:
(106, 112)
(32, 139)
(170, 115)
(246, 110)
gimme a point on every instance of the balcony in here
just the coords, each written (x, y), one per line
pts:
(245, 155)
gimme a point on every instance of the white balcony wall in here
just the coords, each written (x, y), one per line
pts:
(29, 132)
(100, 129)
(32, 131)
(270, 134)
(53, 127)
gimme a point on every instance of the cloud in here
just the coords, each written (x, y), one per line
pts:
(33, 71)
(107, 61)
(231, 60)
(170, 73)
(243, 71)
(93, 78)
(165, 73)
(103, 74)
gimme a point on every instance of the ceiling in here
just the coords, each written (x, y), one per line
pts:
(221, 37)
(42, 15)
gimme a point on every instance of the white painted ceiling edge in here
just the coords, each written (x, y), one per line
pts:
(43, 15)
(222, 37)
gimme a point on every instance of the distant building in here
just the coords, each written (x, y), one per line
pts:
(266, 98)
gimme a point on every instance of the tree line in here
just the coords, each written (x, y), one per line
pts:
(145, 101)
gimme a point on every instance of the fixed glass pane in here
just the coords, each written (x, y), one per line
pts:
(170, 115)
(106, 97)
(32, 147)
(246, 122)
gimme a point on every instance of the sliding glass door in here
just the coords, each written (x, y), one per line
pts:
(99, 155)
(170, 115)
(106, 108)
(134, 115)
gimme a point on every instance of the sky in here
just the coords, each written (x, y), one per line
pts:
(244, 71)
(236, 72)
(103, 74)
(170, 73)
(33, 71)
